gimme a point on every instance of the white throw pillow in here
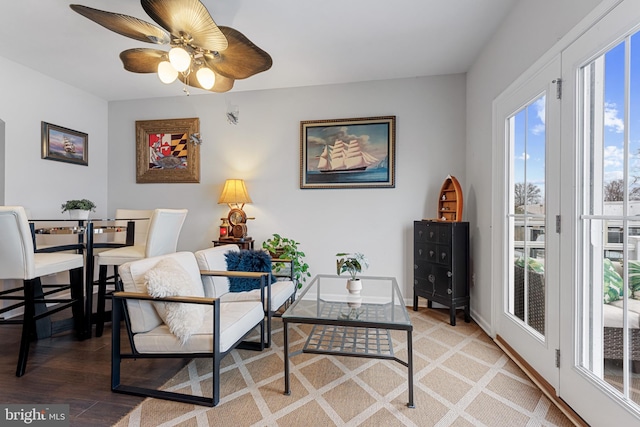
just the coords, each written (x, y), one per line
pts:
(168, 278)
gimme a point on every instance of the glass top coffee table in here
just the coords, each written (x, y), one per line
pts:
(345, 324)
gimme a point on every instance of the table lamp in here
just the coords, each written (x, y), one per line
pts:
(235, 195)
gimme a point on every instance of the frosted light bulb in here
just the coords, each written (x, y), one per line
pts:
(206, 78)
(166, 72)
(180, 59)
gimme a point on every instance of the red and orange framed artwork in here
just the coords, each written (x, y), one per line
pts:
(168, 151)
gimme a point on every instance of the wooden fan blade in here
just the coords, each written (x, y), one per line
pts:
(242, 58)
(125, 25)
(187, 18)
(142, 60)
(222, 83)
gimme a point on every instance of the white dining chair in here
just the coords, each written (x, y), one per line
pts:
(19, 261)
(162, 238)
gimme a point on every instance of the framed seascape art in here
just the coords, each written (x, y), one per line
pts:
(64, 145)
(348, 153)
(168, 151)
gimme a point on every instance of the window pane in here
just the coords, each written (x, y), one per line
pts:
(611, 236)
(527, 139)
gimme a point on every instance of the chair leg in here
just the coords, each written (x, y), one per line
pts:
(76, 280)
(28, 326)
(102, 292)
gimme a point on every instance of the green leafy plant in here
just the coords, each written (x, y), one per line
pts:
(351, 263)
(285, 248)
(84, 204)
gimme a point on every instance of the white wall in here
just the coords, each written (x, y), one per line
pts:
(527, 33)
(41, 186)
(28, 98)
(264, 149)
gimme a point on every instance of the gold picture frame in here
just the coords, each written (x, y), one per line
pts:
(168, 151)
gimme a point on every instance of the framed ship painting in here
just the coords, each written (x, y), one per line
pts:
(168, 151)
(64, 145)
(348, 153)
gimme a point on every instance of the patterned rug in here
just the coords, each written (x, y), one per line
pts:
(461, 378)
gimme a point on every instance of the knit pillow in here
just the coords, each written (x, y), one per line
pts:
(248, 260)
(167, 279)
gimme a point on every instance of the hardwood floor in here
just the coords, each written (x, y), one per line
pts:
(64, 370)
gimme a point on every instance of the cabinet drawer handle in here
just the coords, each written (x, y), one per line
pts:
(432, 278)
(420, 233)
(449, 291)
(449, 274)
(431, 234)
(431, 254)
(443, 255)
(415, 266)
(420, 252)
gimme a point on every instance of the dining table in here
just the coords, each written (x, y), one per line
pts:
(86, 231)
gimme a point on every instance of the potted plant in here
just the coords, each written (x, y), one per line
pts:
(285, 248)
(78, 209)
(352, 264)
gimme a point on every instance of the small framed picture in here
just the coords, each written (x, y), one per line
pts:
(348, 153)
(64, 145)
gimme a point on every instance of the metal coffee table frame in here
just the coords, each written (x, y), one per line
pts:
(348, 325)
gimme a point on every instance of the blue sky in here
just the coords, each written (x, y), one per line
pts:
(529, 144)
(614, 111)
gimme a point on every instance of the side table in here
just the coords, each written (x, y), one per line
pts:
(246, 243)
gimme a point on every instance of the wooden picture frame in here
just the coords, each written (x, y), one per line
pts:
(64, 145)
(168, 151)
(348, 153)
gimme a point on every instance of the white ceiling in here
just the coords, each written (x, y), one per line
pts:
(311, 42)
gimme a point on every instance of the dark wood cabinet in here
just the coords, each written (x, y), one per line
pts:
(441, 265)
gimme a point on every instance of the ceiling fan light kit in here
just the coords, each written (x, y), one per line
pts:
(217, 56)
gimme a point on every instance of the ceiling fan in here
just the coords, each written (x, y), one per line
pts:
(217, 55)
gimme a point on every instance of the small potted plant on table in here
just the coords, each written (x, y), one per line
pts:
(78, 209)
(352, 264)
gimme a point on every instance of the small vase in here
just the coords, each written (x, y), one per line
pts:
(354, 286)
(78, 214)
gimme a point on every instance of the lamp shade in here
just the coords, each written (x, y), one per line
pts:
(234, 191)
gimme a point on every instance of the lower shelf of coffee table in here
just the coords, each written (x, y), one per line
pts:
(349, 341)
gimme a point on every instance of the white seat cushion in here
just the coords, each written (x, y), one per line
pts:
(54, 262)
(280, 293)
(119, 256)
(236, 319)
(613, 313)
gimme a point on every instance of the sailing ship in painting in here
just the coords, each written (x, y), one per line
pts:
(345, 158)
(68, 145)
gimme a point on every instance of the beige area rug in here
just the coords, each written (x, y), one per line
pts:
(461, 378)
